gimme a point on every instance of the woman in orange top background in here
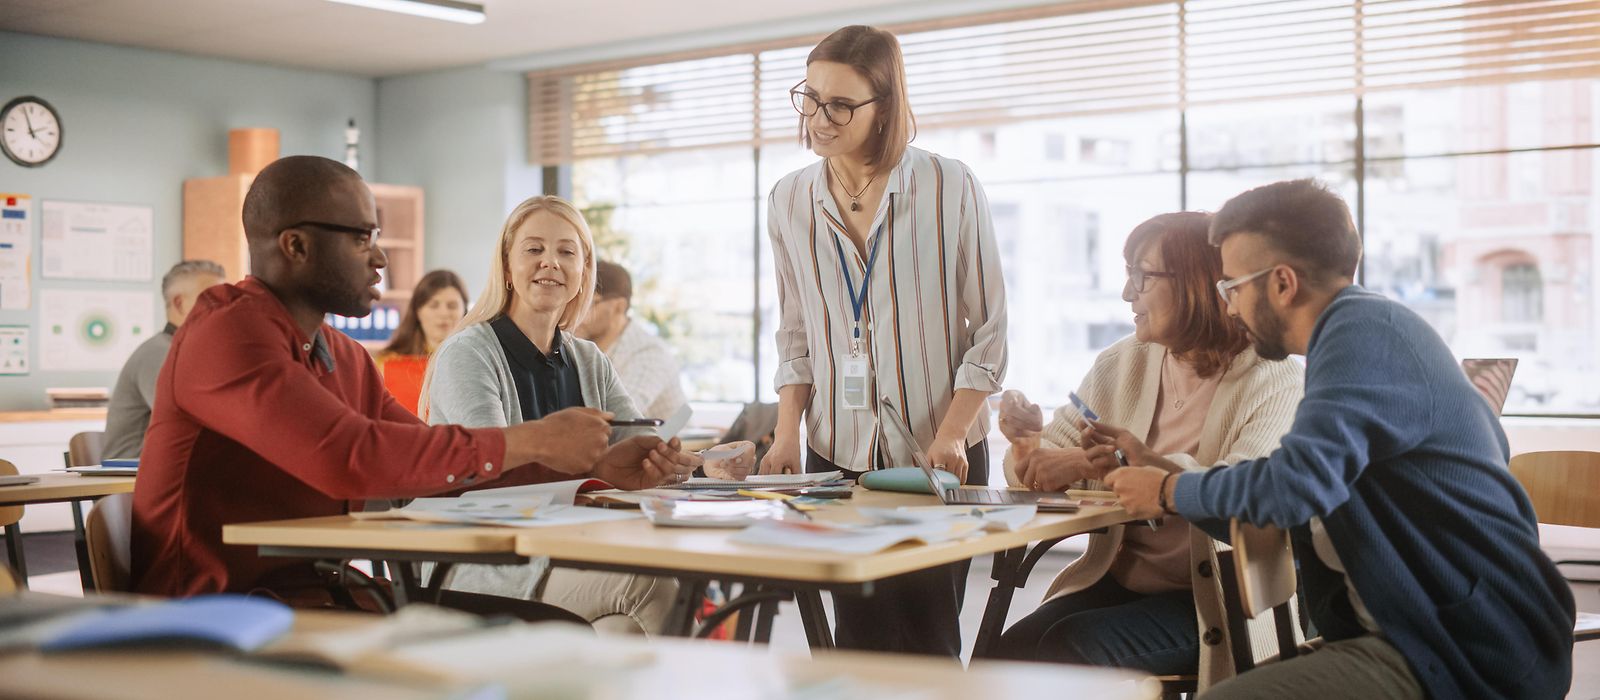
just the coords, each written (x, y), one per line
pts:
(437, 303)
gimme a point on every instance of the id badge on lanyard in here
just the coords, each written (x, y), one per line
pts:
(856, 379)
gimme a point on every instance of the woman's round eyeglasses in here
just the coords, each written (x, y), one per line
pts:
(839, 113)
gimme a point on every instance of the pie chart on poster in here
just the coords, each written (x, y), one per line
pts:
(96, 330)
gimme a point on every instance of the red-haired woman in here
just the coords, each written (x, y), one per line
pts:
(1188, 383)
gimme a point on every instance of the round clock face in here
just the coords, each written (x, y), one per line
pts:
(30, 131)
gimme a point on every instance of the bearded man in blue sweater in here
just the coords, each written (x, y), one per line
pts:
(1419, 553)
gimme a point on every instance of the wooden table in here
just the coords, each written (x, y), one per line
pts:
(58, 488)
(695, 556)
(557, 661)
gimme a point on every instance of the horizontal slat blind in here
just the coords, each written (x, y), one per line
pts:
(1077, 58)
(1252, 49)
(1423, 43)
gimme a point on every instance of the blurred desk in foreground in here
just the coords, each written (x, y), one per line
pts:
(549, 661)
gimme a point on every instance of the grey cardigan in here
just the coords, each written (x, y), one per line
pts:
(472, 383)
(472, 386)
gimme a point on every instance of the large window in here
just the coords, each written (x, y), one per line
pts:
(1464, 136)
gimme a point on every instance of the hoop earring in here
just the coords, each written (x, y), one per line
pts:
(508, 285)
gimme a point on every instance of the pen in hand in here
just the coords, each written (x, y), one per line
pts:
(636, 423)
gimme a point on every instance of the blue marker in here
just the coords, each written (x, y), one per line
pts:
(1082, 407)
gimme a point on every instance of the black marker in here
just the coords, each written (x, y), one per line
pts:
(637, 423)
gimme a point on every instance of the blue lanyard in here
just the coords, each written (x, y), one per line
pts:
(857, 302)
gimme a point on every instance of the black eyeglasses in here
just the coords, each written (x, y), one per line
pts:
(1138, 276)
(807, 105)
(367, 237)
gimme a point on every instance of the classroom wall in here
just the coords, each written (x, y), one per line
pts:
(461, 135)
(136, 124)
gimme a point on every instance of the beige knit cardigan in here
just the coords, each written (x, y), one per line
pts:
(1254, 406)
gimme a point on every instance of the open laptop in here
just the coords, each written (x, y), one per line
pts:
(1492, 378)
(1046, 501)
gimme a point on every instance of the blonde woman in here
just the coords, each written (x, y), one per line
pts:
(513, 359)
(890, 292)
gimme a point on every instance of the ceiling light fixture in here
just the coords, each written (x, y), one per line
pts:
(448, 10)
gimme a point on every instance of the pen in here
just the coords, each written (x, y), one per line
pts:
(796, 509)
(637, 423)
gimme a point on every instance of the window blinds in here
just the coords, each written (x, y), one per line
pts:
(1075, 58)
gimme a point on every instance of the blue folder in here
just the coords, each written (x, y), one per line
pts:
(224, 620)
(906, 479)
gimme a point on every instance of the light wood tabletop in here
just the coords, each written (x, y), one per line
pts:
(640, 545)
(57, 414)
(58, 487)
(636, 544)
(555, 661)
(345, 532)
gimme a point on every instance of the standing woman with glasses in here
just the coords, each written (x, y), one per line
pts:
(1189, 384)
(890, 295)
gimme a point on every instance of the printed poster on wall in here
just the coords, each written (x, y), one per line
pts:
(14, 350)
(92, 329)
(16, 247)
(90, 241)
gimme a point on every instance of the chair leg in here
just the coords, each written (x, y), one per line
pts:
(19, 562)
(762, 634)
(80, 547)
(1238, 627)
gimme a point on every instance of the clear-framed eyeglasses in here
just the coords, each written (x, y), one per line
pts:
(1226, 288)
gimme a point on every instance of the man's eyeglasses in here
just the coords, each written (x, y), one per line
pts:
(1137, 277)
(840, 113)
(367, 237)
(1226, 288)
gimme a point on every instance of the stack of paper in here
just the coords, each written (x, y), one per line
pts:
(849, 539)
(725, 514)
(888, 528)
(989, 518)
(536, 505)
(763, 481)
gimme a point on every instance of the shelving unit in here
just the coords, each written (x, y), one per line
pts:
(213, 229)
(400, 215)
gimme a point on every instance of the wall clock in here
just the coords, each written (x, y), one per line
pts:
(30, 131)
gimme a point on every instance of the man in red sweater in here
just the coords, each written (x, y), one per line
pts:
(263, 412)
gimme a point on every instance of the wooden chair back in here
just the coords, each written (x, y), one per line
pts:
(1564, 486)
(1257, 575)
(9, 585)
(9, 515)
(85, 449)
(1265, 567)
(109, 532)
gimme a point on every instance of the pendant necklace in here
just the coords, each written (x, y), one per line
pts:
(855, 199)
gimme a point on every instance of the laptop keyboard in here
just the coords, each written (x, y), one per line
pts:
(993, 497)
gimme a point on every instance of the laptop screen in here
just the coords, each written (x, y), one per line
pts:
(890, 420)
(1492, 378)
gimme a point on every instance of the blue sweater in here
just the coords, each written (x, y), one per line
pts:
(1406, 465)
